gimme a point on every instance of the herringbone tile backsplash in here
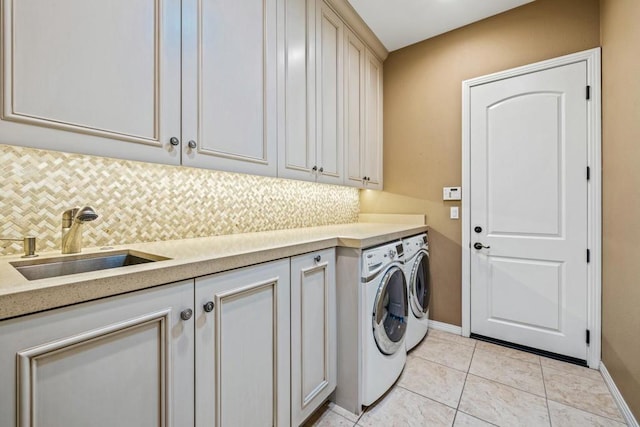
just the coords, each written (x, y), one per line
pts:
(144, 202)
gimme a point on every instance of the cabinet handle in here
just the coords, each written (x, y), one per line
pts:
(317, 258)
(192, 144)
(186, 314)
(174, 141)
(209, 306)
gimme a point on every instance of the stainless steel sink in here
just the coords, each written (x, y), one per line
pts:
(63, 266)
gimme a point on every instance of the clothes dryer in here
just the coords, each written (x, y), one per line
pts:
(416, 267)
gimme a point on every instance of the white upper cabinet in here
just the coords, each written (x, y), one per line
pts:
(363, 116)
(312, 146)
(329, 119)
(92, 77)
(230, 80)
(373, 122)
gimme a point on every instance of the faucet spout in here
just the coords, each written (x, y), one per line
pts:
(72, 220)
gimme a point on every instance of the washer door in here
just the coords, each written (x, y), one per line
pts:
(420, 285)
(390, 312)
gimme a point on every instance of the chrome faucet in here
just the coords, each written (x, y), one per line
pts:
(72, 220)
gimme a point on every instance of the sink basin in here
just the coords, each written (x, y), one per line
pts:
(63, 266)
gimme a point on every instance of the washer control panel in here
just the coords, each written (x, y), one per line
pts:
(375, 259)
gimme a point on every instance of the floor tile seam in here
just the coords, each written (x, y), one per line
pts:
(539, 363)
(546, 397)
(448, 341)
(475, 416)
(561, 372)
(621, 420)
(464, 384)
(351, 421)
(427, 397)
(475, 342)
(512, 386)
(442, 364)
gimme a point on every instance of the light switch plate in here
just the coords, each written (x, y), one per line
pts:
(454, 213)
(452, 193)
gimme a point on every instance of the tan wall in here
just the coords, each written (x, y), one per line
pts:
(422, 116)
(621, 197)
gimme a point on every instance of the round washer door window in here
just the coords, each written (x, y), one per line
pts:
(390, 312)
(420, 285)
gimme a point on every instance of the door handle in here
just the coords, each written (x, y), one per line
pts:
(479, 246)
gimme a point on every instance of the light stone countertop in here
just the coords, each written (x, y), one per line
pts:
(189, 258)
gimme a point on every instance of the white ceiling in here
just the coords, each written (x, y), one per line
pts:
(399, 23)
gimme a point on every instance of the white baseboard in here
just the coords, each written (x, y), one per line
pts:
(624, 408)
(445, 327)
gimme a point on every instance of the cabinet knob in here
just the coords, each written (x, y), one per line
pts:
(174, 141)
(321, 170)
(192, 144)
(314, 168)
(317, 258)
(209, 306)
(186, 314)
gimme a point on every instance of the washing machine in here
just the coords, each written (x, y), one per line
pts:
(386, 313)
(416, 267)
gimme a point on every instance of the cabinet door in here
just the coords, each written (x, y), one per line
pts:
(92, 77)
(354, 104)
(230, 80)
(313, 332)
(297, 144)
(121, 361)
(373, 122)
(242, 347)
(329, 136)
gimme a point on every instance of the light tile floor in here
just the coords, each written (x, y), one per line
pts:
(450, 380)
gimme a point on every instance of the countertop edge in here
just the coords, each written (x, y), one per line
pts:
(33, 299)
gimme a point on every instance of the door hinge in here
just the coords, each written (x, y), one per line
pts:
(588, 337)
(588, 92)
(588, 255)
(588, 173)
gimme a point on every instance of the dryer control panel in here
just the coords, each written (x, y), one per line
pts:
(375, 259)
(413, 244)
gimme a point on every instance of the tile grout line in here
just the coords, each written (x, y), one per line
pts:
(464, 384)
(425, 397)
(623, 422)
(442, 364)
(546, 396)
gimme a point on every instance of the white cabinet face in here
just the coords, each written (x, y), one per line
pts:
(354, 103)
(230, 84)
(373, 122)
(329, 138)
(313, 332)
(92, 77)
(242, 347)
(125, 361)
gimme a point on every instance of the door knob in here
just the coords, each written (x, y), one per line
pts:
(186, 314)
(479, 246)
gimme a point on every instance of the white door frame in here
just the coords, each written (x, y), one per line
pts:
(594, 189)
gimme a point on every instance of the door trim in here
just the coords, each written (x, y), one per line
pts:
(594, 189)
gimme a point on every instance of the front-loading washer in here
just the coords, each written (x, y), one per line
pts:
(416, 267)
(385, 314)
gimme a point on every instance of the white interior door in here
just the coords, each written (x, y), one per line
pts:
(528, 205)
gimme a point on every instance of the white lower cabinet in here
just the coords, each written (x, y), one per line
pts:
(121, 361)
(313, 332)
(242, 347)
(257, 349)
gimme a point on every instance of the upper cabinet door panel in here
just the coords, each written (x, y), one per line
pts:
(92, 76)
(329, 45)
(354, 105)
(230, 100)
(373, 122)
(297, 145)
